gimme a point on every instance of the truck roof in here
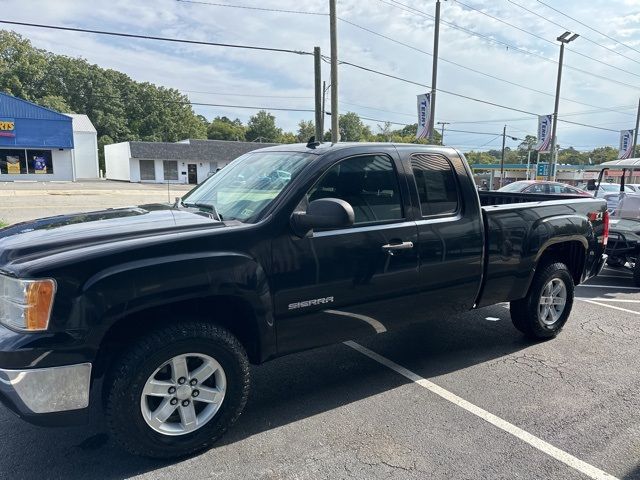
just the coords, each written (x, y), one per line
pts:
(331, 147)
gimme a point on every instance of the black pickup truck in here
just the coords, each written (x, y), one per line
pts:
(288, 248)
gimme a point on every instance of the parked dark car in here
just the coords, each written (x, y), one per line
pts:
(169, 304)
(545, 187)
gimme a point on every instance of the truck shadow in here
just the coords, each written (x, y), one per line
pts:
(284, 391)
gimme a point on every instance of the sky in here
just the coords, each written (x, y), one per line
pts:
(499, 51)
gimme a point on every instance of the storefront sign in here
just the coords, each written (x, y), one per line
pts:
(7, 127)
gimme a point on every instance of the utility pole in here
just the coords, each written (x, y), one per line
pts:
(635, 132)
(565, 38)
(442, 131)
(324, 94)
(504, 138)
(434, 71)
(317, 61)
(335, 126)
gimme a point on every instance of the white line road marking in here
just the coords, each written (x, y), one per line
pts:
(612, 306)
(493, 319)
(560, 455)
(619, 300)
(618, 270)
(607, 286)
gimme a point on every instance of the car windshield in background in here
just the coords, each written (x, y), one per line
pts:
(244, 189)
(514, 187)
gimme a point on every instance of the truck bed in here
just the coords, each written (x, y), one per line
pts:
(519, 226)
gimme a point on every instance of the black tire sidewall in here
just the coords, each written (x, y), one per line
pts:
(524, 312)
(124, 397)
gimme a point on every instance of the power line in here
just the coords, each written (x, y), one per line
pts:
(246, 7)
(565, 28)
(490, 39)
(586, 125)
(244, 94)
(544, 39)
(589, 27)
(151, 37)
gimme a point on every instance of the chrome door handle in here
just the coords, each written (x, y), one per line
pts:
(391, 247)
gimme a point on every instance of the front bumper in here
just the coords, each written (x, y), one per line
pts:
(47, 395)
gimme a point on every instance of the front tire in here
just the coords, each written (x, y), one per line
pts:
(546, 308)
(177, 390)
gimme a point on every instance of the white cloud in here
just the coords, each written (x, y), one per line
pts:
(212, 69)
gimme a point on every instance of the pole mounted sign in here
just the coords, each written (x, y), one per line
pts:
(626, 144)
(424, 116)
(544, 133)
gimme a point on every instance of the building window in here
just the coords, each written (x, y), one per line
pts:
(39, 161)
(13, 162)
(170, 170)
(147, 170)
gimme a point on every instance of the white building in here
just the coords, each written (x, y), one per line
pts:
(187, 161)
(85, 147)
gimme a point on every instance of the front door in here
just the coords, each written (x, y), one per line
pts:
(192, 170)
(341, 284)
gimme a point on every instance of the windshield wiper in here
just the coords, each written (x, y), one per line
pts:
(204, 206)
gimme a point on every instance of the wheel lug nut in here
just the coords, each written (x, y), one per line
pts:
(182, 380)
(172, 390)
(174, 401)
(185, 403)
(195, 393)
(193, 382)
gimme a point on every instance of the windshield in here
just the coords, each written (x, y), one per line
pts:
(514, 187)
(613, 187)
(243, 189)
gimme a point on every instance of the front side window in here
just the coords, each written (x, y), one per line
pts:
(368, 183)
(247, 186)
(436, 183)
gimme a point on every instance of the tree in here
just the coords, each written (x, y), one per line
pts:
(352, 129)
(306, 130)
(55, 102)
(288, 137)
(385, 132)
(222, 128)
(262, 127)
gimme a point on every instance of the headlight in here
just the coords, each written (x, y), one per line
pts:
(26, 304)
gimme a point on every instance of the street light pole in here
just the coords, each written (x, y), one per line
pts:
(434, 72)
(565, 38)
(635, 132)
(333, 33)
(504, 139)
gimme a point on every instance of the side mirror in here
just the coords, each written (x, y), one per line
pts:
(323, 213)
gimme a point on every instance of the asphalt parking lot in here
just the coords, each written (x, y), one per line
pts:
(480, 402)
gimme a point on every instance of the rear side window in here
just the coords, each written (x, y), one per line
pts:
(436, 183)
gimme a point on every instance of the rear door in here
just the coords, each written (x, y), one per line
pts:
(344, 283)
(450, 233)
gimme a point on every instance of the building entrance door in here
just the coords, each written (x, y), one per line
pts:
(193, 173)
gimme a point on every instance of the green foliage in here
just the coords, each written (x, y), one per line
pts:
(288, 137)
(120, 108)
(262, 127)
(306, 130)
(352, 129)
(222, 128)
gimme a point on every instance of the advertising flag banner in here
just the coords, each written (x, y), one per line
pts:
(544, 133)
(424, 114)
(626, 144)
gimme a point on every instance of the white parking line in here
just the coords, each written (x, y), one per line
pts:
(619, 300)
(561, 455)
(612, 306)
(607, 286)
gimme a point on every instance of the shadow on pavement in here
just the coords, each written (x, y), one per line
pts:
(284, 391)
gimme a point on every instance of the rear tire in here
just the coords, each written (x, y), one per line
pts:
(544, 311)
(193, 373)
